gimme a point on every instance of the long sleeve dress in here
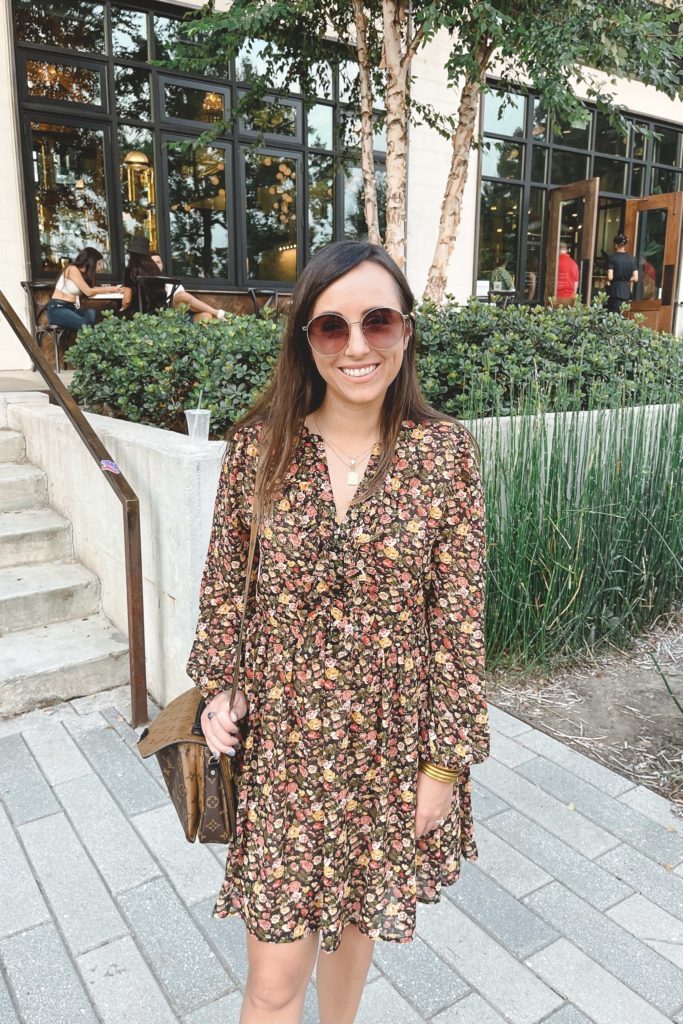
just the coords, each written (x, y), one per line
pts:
(364, 651)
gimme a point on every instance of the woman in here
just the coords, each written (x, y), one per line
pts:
(141, 265)
(364, 651)
(198, 310)
(78, 278)
(622, 272)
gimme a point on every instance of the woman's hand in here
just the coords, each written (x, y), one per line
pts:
(433, 803)
(220, 723)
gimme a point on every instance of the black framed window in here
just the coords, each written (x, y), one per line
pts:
(226, 213)
(523, 155)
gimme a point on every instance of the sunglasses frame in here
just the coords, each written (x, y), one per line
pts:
(407, 318)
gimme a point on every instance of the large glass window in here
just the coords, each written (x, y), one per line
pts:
(101, 167)
(70, 195)
(524, 155)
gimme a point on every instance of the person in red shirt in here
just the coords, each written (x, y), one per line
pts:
(567, 275)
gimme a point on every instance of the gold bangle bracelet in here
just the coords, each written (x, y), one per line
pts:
(435, 771)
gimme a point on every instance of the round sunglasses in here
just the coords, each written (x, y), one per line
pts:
(383, 327)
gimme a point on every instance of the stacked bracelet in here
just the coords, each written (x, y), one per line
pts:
(435, 771)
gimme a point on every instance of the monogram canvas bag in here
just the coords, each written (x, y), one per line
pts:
(200, 784)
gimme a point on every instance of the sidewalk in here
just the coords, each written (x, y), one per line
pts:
(573, 913)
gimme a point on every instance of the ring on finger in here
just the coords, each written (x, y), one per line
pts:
(211, 714)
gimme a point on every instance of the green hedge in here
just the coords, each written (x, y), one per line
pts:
(473, 360)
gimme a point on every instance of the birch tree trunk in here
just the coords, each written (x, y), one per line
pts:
(397, 132)
(451, 206)
(366, 137)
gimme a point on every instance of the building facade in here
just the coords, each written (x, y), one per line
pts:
(96, 141)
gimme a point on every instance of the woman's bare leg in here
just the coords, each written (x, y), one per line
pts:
(276, 982)
(340, 977)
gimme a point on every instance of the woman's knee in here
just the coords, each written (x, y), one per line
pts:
(279, 972)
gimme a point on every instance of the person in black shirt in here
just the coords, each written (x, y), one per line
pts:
(621, 273)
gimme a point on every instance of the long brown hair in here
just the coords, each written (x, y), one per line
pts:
(296, 388)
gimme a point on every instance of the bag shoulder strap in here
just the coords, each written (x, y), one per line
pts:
(247, 582)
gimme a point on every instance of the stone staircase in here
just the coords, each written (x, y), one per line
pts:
(55, 642)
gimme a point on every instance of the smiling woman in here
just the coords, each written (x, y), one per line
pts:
(364, 646)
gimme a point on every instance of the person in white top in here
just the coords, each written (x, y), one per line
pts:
(181, 297)
(77, 279)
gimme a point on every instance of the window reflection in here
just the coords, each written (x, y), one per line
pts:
(129, 34)
(320, 201)
(668, 147)
(504, 113)
(65, 82)
(71, 204)
(502, 159)
(186, 104)
(574, 133)
(273, 118)
(355, 224)
(197, 197)
(68, 24)
(271, 215)
(499, 234)
(321, 126)
(138, 186)
(251, 63)
(568, 167)
(665, 179)
(535, 243)
(649, 254)
(132, 93)
(608, 139)
(612, 174)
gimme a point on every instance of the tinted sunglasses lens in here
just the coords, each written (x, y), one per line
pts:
(328, 333)
(383, 328)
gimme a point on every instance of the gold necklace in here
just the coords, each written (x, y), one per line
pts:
(351, 463)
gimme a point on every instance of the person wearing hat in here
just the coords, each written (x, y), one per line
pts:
(140, 264)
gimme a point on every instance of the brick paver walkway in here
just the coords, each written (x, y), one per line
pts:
(573, 913)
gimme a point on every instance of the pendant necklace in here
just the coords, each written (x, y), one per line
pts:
(352, 477)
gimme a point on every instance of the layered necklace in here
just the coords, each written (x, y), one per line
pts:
(351, 462)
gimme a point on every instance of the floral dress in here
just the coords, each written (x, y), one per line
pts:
(364, 650)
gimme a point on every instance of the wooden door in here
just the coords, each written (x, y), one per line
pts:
(653, 228)
(572, 220)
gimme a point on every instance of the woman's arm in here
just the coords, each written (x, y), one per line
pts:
(74, 274)
(454, 731)
(195, 304)
(127, 297)
(610, 274)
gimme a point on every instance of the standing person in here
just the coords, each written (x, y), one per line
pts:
(363, 673)
(622, 272)
(198, 310)
(567, 276)
(77, 279)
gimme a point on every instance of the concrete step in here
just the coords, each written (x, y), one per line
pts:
(51, 592)
(34, 535)
(12, 446)
(22, 486)
(58, 662)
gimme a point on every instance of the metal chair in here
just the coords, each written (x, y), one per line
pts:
(273, 299)
(38, 309)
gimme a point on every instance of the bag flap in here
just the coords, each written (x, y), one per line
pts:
(173, 724)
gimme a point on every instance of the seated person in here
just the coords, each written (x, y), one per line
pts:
(77, 279)
(181, 297)
(140, 264)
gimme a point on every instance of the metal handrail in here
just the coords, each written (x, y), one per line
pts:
(131, 513)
